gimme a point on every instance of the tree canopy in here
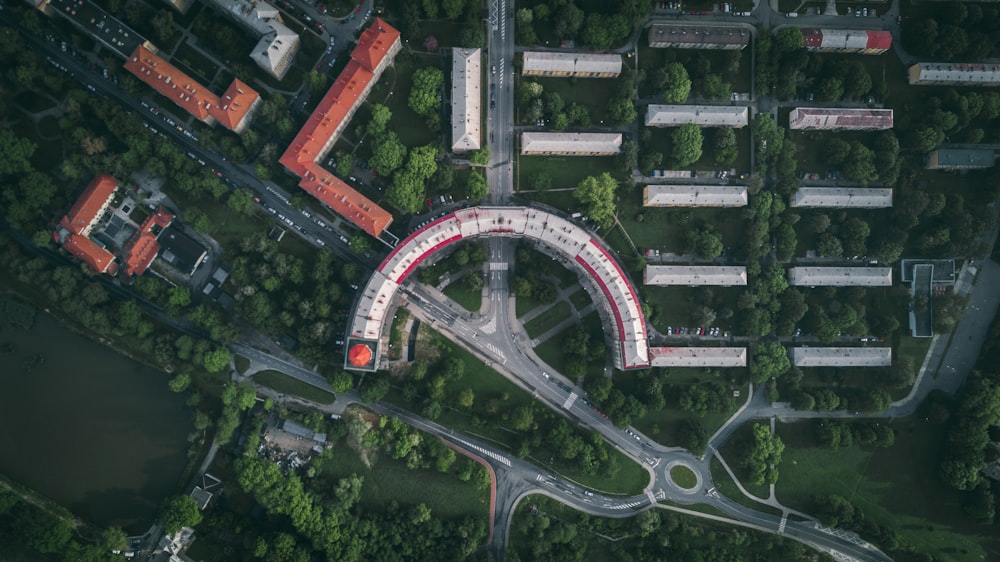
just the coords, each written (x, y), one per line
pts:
(598, 193)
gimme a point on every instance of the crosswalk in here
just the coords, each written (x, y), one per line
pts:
(569, 401)
(629, 505)
(498, 266)
(495, 456)
(781, 526)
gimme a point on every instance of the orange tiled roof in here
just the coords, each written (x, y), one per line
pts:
(143, 247)
(95, 256)
(375, 43)
(85, 210)
(337, 105)
(193, 97)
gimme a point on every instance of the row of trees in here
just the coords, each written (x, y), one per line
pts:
(599, 31)
(958, 31)
(469, 12)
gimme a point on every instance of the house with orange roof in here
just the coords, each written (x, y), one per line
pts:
(234, 109)
(73, 231)
(144, 245)
(376, 49)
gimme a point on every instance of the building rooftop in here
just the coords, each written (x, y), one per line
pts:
(975, 73)
(89, 252)
(829, 119)
(964, 157)
(717, 275)
(466, 99)
(143, 247)
(698, 356)
(666, 195)
(570, 143)
(320, 131)
(180, 250)
(843, 197)
(540, 62)
(701, 115)
(87, 208)
(699, 35)
(840, 276)
(842, 356)
(231, 109)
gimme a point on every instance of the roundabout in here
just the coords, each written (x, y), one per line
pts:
(682, 477)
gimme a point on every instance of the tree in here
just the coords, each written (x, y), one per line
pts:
(358, 244)
(180, 382)
(686, 142)
(765, 456)
(578, 115)
(388, 154)
(477, 188)
(788, 38)
(569, 19)
(453, 8)
(216, 359)
(726, 150)
(424, 97)
(598, 193)
(480, 157)
(179, 511)
(627, 156)
(769, 359)
(705, 242)
(241, 201)
(342, 381)
(465, 398)
(713, 88)
(522, 418)
(621, 111)
(673, 79)
(374, 388)
(379, 122)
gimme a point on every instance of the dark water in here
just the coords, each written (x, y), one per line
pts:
(89, 428)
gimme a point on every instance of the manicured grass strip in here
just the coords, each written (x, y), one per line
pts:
(548, 319)
(725, 486)
(470, 300)
(286, 384)
(580, 299)
(242, 364)
(683, 477)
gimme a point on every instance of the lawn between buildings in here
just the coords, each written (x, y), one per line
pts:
(898, 487)
(487, 384)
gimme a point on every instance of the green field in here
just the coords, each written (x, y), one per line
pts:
(242, 363)
(286, 384)
(548, 319)
(736, 449)
(683, 477)
(389, 480)
(898, 486)
(565, 172)
(552, 350)
(580, 299)
(470, 300)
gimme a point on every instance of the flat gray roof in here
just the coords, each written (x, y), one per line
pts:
(843, 197)
(665, 195)
(701, 115)
(840, 276)
(842, 356)
(466, 98)
(571, 63)
(717, 275)
(698, 356)
(571, 143)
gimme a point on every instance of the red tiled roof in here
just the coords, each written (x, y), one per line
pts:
(85, 210)
(375, 43)
(337, 105)
(86, 250)
(143, 247)
(193, 97)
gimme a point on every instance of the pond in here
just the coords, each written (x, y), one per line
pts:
(91, 429)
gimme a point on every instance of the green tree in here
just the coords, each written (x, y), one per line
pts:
(788, 38)
(241, 201)
(379, 122)
(673, 79)
(726, 150)
(598, 193)
(180, 382)
(477, 188)
(374, 387)
(388, 154)
(480, 157)
(705, 242)
(621, 111)
(686, 142)
(713, 88)
(769, 359)
(406, 192)
(15, 153)
(424, 97)
(216, 359)
(342, 381)
(453, 8)
(179, 511)
(522, 418)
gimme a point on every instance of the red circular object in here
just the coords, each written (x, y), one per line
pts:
(359, 355)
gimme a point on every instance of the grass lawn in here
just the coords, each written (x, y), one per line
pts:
(898, 486)
(553, 350)
(592, 93)
(914, 349)
(735, 450)
(548, 319)
(242, 363)
(683, 477)
(580, 299)
(725, 486)
(286, 384)
(675, 306)
(488, 384)
(565, 172)
(389, 480)
(393, 91)
(524, 305)
(396, 334)
(470, 300)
